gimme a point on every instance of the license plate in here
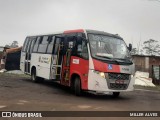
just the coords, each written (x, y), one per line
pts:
(119, 81)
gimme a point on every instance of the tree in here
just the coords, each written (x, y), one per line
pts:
(151, 47)
(134, 51)
(141, 51)
(14, 44)
(7, 46)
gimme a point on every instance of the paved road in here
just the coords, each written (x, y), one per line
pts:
(19, 93)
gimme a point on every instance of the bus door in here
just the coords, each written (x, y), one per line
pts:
(28, 54)
(57, 58)
(69, 45)
(23, 55)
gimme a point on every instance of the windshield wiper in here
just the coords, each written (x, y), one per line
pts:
(123, 60)
(110, 59)
(117, 60)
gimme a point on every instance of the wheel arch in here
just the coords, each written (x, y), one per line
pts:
(33, 68)
(72, 78)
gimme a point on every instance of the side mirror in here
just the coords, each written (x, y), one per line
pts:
(130, 47)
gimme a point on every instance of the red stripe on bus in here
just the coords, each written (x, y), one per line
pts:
(104, 67)
(74, 31)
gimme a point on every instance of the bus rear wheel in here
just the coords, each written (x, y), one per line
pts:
(34, 77)
(116, 94)
(77, 86)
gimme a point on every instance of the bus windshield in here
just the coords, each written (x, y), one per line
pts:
(106, 47)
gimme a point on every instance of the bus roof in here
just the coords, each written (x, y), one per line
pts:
(103, 33)
(81, 31)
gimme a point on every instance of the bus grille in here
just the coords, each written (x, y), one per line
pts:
(118, 86)
(112, 81)
(118, 76)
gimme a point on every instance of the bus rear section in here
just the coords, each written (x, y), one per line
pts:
(84, 60)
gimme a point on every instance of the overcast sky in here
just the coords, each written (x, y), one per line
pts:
(131, 19)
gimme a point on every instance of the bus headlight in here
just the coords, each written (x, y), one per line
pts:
(102, 74)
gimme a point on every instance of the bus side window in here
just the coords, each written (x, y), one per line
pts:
(35, 48)
(32, 44)
(43, 45)
(28, 45)
(29, 48)
(82, 50)
(58, 40)
(25, 45)
(51, 44)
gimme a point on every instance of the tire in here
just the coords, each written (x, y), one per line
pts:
(77, 86)
(116, 94)
(34, 77)
(72, 87)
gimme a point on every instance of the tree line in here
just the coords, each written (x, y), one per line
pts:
(149, 47)
(14, 44)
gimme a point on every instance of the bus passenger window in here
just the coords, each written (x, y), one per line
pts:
(56, 48)
(32, 44)
(25, 45)
(28, 46)
(43, 45)
(37, 44)
(82, 50)
(50, 46)
(70, 45)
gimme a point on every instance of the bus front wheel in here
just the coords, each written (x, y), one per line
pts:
(77, 86)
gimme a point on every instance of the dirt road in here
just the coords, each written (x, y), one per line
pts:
(20, 93)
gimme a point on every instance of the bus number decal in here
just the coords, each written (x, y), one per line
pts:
(75, 61)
